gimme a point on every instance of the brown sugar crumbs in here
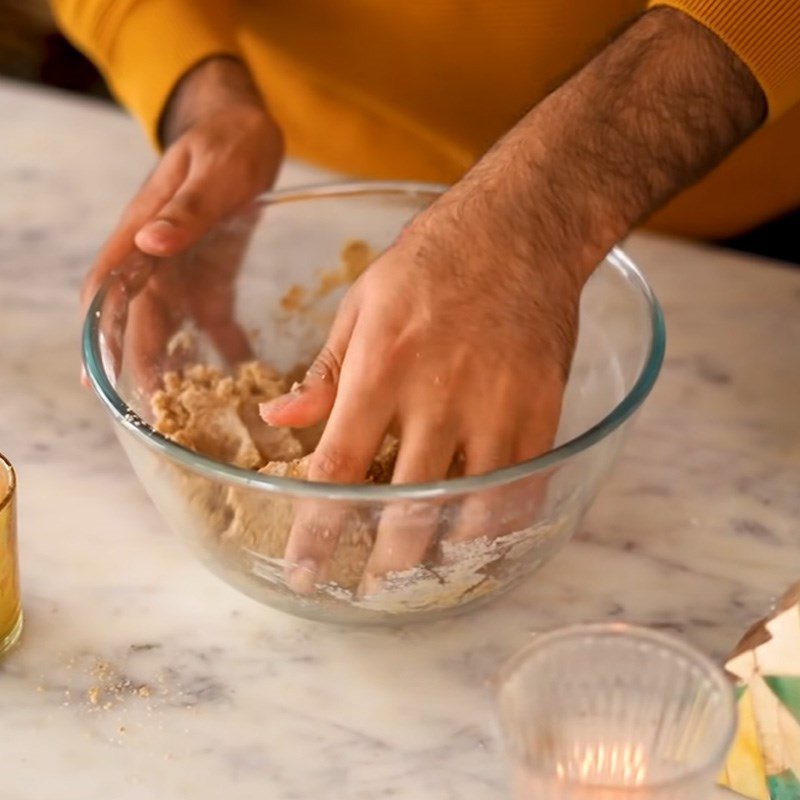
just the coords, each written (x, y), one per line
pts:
(216, 415)
(112, 687)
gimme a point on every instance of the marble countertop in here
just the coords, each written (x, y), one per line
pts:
(204, 693)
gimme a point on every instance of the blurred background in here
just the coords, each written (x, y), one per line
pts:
(32, 49)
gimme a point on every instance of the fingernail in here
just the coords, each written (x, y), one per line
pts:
(84, 377)
(158, 233)
(161, 228)
(303, 576)
(266, 410)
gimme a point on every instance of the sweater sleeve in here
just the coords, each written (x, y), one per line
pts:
(144, 47)
(765, 34)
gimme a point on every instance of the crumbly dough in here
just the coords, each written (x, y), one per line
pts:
(247, 531)
(215, 414)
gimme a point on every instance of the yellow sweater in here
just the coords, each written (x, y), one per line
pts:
(420, 88)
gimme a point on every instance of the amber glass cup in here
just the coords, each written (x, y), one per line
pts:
(10, 606)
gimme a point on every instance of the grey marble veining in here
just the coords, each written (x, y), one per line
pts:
(140, 675)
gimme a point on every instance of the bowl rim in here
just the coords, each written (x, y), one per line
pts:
(208, 467)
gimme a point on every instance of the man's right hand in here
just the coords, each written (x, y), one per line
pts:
(223, 149)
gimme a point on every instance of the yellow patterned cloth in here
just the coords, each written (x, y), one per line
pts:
(764, 762)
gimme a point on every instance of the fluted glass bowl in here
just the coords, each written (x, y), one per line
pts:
(278, 266)
(600, 711)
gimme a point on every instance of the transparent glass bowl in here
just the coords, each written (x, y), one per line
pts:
(612, 711)
(274, 264)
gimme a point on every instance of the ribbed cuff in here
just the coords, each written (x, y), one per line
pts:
(154, 44)
(764, 34)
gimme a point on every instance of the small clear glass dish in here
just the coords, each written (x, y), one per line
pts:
(610, 712)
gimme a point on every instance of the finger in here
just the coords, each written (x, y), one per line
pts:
(505, 509)
(156, 190)
(153, 309)
(351, 438)
(181, 221)
(151, 325)
(112, 324)
(158, 187)
(407, 530)
(200, 201)
(313, 539)
(113, 316)
(213, 274)
(311, 401)
(483, 513)
(535, 439)
(230, 341)
(489, 451)
(536, 434)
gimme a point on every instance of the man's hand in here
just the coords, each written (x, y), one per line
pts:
(461, 334)
(223, 149)
(458, 339)
(461, 342)
(154, 298)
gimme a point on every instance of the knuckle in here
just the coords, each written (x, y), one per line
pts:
(194, 141)
(331, 463)
(327, 366)
(439, 411)
(185, 204)
(349, 304)
(391, 346)
(397, 330)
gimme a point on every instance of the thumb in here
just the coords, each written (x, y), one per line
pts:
(160, 186)
(308, 402)
(182, 220)
(311, 401)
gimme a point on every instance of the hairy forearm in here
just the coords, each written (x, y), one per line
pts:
(214, 86)
(653, 112)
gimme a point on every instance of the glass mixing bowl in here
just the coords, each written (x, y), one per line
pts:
(278, 267)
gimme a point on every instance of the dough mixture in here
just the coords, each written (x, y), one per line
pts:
(216, 415)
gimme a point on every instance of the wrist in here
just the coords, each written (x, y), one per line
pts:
(652, 113)
(220, 84)
(532, 220)
(484, 233)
